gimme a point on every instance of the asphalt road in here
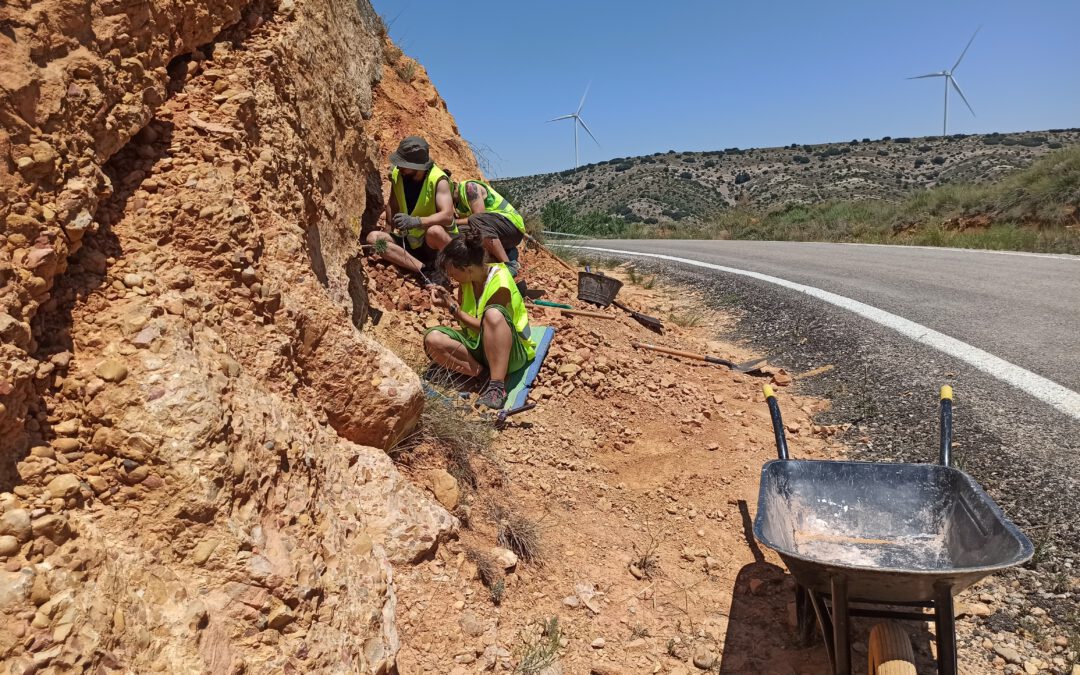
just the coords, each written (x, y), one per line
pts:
(1021, 308)
(1024, 308)
(883, 386)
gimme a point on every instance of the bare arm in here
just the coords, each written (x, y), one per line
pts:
(444, 205)
(476, 195)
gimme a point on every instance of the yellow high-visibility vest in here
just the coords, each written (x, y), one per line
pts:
(425, 203)
(493, 203)
(499, 277)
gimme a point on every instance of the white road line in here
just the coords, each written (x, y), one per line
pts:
(1048, 391)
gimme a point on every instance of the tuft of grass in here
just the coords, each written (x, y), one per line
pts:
(490, 574)
(688, 318)
(448, 420)
(518, 533)
(672, 648)
(406, 70)
(541, 654)
(647, 557)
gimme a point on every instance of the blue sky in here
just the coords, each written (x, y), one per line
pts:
(711, 75)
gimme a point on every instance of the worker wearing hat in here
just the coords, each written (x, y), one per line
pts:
(419, 209)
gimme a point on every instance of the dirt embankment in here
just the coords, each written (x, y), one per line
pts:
(187, 482)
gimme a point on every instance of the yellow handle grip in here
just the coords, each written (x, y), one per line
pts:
(767, 390)
(946, 393)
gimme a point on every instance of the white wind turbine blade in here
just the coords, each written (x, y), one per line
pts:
(919, 77)
(957, 88)
(586, 127)
(582, 104)
(564, 117)
(965, 50)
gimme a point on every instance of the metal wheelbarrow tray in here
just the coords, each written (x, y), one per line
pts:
(881, 534)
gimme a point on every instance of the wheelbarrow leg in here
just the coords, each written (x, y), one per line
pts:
(805, 618)
(841, 626)
(825, 621)
(945, 627)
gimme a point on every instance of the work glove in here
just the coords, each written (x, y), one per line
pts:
(403, 221)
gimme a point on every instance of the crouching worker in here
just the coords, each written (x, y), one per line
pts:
(420, 208)
(478, 205)
(492, 316)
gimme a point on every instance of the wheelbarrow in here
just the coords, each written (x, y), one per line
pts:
(881, 540)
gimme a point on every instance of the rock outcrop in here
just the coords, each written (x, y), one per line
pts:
(187, 403)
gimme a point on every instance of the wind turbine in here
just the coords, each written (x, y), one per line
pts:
(576, 116)
(949, 79)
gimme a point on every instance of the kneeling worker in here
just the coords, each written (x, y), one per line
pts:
(420, 207)
(493, 318)
(479, 206)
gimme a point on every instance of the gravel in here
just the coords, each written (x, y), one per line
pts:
(1023, 452)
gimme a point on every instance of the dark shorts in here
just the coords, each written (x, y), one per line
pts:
(425, 254)
(496, 226)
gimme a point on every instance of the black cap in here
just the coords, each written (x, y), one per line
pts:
(412, 153)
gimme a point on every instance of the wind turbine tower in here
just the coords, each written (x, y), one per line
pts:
(951, 80)
(576, 117)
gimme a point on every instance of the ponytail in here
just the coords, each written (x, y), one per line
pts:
(464, 250)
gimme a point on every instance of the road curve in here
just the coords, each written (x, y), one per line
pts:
(1023, 308)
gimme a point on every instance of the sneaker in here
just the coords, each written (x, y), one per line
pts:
(494, 395)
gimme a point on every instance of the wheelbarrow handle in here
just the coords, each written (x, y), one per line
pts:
(777, 422)
(945, 453)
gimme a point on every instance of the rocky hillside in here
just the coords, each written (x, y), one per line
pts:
(192, 423)
(666, 188)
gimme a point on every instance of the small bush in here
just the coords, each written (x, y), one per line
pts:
(801, 159)
(742, 177)
(519, 534)
(939, 160)
(406, 70)
(488, 571)
(538, 656)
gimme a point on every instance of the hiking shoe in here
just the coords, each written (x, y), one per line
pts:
(494, 395)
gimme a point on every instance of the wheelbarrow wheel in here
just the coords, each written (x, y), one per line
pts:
(890, 651)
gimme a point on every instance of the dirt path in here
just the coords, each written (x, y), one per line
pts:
(630, 458)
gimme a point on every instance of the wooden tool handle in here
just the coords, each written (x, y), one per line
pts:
(665, 350)
(582, 312)
(546, 250)
(576, 312)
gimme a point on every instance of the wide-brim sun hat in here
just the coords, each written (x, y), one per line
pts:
(412, 153)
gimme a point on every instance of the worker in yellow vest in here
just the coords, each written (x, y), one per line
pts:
(419, 209)
(478, 205)
(494, 332)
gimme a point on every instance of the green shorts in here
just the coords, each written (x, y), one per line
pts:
(519, 354)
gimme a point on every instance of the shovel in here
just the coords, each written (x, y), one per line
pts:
(650, 322)
(745, 367)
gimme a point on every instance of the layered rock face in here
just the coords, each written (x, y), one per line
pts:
(187, 404)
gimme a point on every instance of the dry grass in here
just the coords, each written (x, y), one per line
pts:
(406, 70)
(688, 318)
(518, 533)
(450, 421)
(647, 556)
(541, 654)
(488, 571)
